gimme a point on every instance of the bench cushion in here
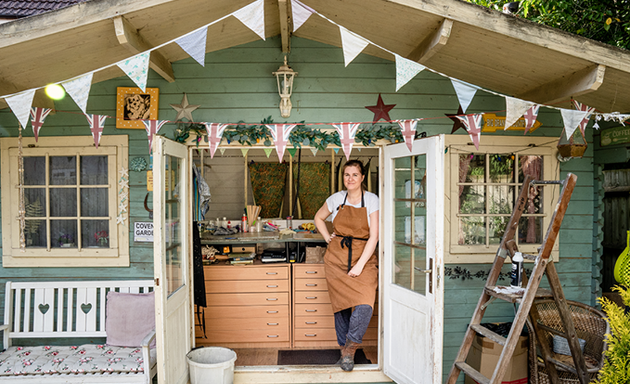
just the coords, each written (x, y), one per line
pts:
(129, 318)
(89, 358)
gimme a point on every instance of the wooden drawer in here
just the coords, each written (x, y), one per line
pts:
(315, 334)
(235, 299)
(319, 297)
(256, 323)
(246, 272)
(313, 309)
(308, 271)
(245, 335)
(371, 334)
(311, 284)
(312, 322)
(240, 286)
(257, 311)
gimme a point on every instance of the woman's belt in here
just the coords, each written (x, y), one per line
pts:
(347, 241)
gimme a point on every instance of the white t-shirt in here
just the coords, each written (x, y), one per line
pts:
(336, 199)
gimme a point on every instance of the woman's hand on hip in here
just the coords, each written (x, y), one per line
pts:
(332, 236)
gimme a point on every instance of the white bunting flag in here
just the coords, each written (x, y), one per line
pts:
(572, 119)
(408, 128)
(465, 93)
(346, 132)
(514, 109)
(280, 134)
(79, 90)
(301, 13)
(253, 16)
(583, 107)
(195, 44)
(313, 151)
(97, 123)
(530, 117)
(215, 133)
(152, 127)
(352, 45)
(406, 70)
(38, 115)
(222, 150)
(20, 105)
(137, 68)
(473, 126)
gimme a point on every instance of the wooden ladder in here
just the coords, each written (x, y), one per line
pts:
(525, 298)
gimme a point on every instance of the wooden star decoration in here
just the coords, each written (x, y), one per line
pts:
(457, 123)
(381, 110)
(184, 110)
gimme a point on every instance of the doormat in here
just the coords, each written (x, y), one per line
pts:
(317, 357)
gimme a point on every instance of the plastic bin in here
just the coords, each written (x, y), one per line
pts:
(211, 365)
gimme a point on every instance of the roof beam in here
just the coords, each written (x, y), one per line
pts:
(130, 38)
(433, 42)
(286, 22)
(577, 83)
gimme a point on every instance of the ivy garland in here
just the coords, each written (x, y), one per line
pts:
(464, 274)
(301, 135)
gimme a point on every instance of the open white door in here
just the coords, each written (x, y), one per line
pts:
(172, 283)
(413, 292)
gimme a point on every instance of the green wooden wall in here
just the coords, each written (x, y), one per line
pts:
(236, 85)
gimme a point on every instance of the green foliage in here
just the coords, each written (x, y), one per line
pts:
(607, 21)
(617, 364)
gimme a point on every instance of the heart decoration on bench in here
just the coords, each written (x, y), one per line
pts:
(44, 308)
(86, 308)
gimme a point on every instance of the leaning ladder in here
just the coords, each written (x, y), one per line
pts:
(542, 264)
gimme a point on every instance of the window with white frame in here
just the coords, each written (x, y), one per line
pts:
(483, 186)
(71, 200)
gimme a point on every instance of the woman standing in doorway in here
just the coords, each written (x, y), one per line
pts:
(351, 260)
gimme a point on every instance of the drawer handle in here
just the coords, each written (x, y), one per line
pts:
(272, 273)
(272, 323)
(311, 310)
(311, 272)
(272, 335)
(272, 286)
(311, 285)
(272, 311)
(272, 299)
(310, 322)
(310, 334)
(311, 297)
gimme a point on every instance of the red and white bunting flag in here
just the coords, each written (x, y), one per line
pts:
(473, 126)
(584, 108)
(215, 133)
(38, 115)
(530, 117)
(152, 127)
(346, 132)
(280, 133)
(408, 131)
(97, 123)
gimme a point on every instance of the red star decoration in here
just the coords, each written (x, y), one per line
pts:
(457, 123)
(381, 110)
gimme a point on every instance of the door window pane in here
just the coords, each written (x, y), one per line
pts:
(172, 210)
(94, 202)
(34, 170)
(63, 202)
(94, 170)
(35, 233)
(64, 233)
(95, 233)
(63, 170)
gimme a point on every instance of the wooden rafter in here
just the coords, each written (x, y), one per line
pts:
(130, 38)
(578, 83)
(286, 24)
(433, 42)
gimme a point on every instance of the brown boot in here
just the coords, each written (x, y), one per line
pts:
(347, 356)
(341, 348)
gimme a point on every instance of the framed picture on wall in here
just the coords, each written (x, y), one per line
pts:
(133, 106)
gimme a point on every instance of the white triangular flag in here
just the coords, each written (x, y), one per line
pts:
(222, 150)
(195, 44)
(514, 109)
(572, 119)
(314, 151)
(406, 70)
(465, 93)
(253, 16)
(79, 90)
(352, 45)
(20, 105)
(301, 13)
(137, 68)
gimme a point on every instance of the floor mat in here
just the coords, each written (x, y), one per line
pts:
(317, 357)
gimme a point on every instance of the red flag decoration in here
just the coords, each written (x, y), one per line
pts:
(530, 117)
(473, 126)
(584, 108)
(346, 132)
(408, 131)
(280, 133)
(152, 127)
(38, 115)
(97, 123)
(215, 133)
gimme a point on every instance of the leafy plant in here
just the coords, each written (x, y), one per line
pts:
(476, 171)
(616, 367)
(501, 164)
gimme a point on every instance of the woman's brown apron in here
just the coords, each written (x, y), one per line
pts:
(352, 231)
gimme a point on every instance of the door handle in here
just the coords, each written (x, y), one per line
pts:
(423, 270)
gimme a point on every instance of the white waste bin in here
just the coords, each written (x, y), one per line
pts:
(211, 365)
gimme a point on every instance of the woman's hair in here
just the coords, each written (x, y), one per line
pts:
(358, 164)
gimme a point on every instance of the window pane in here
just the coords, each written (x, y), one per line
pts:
(497, 228)
(35, 233)
(472, 168)
(530, 230)
(64, 233)
(502, 168)
(472, 231)
(172, 213)
(94, 170)
(94, 202)
(95, 233)
(34, 170)
(473, 199)
(530, 165)
(63, 202)
(501, 199)
(35, 202)
(63, 170)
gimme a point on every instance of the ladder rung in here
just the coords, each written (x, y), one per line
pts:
(545, 182)
(472, 373)
(563, 365)
(551, 330)
(480, 329)
(515, 297)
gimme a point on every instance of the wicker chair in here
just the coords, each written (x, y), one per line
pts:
(590, 325)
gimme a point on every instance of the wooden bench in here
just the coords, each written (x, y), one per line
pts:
(64, 310)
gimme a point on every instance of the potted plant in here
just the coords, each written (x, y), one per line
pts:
(101, 238)
(66, 241)
(616, 366)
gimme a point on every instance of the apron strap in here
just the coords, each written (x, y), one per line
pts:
(346, 198)
(346, 241)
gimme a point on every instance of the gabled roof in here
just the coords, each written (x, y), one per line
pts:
(18, 9)
(495, 51)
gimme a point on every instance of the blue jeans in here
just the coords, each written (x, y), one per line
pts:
(351, 324)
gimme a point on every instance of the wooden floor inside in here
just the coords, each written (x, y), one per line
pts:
(269, 356)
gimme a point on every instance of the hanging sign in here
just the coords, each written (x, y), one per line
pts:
(492, 123)
(143, 231)
(617, 135)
